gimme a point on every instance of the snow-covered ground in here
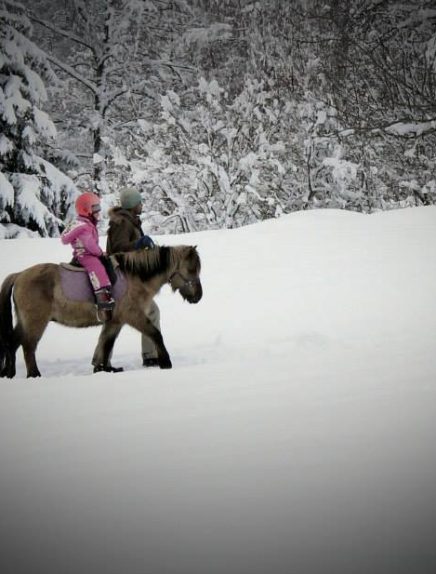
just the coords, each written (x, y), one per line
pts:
(295, 433)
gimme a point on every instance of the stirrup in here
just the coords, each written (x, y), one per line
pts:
(106, 305)
(103, 315)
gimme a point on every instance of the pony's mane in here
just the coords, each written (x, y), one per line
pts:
(146, 263)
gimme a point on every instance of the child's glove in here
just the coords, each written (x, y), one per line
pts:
(144, 242)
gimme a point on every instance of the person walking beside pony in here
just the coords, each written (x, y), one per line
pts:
(83, 237)
(125, 234)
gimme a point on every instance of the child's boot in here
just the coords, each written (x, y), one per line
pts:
(105, 303)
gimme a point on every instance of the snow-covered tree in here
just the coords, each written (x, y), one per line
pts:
(377, 61)
(113, 57)
(34, 195)
(214, 160)
(303, 104)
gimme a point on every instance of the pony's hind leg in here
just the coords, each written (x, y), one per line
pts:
(8, 364)
(30, 341)
(30, 360)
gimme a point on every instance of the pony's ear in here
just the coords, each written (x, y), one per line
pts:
(193, 252)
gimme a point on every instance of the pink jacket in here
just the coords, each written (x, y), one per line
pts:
(83, 236)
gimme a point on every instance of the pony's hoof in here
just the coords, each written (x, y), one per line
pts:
(8, 372)
(166, 365)
(107, 369)
(150, 362)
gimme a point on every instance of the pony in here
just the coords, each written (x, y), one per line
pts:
(39, 298)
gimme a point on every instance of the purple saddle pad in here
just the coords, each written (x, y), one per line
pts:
(77, 286)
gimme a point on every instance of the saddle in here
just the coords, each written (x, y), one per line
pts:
(107, 262)
(76, 285)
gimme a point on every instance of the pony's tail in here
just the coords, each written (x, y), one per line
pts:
(6, 322)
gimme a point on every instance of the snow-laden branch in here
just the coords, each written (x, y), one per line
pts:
(406, 128)
(411, 129)
(152, 62)
(400, 128)
(111, 97)
(138, 88)
(109, 54)
(73, 73)
(61, 32)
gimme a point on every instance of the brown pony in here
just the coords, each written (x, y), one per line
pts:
(38, 298)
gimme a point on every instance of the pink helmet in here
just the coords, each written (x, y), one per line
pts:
(87, 204)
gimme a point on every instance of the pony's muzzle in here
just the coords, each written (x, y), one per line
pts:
(193, 294)
(196, 299)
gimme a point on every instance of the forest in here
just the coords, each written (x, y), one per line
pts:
(221, 112)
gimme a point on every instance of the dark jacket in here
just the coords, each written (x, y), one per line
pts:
(124, 231)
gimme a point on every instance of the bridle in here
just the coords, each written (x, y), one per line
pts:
(186, 282)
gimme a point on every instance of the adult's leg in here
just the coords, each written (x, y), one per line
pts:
(149, 352)
(103, 351)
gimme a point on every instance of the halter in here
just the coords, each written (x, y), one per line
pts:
(186, 282)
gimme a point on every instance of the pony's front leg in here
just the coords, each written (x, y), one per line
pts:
(143, 324)
(103, 351)
(163, 356)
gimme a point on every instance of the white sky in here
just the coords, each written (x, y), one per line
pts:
(295, 433)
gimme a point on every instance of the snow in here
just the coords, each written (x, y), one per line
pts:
(97, 158)
(6, 189)
(294, 434)
(44, 124)
(411, 128)
(28, 190)
(204, 36)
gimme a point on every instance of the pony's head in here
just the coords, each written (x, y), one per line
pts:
(186, 275)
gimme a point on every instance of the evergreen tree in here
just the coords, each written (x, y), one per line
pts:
(34, 195)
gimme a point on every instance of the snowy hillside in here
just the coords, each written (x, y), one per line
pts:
(295, 433)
